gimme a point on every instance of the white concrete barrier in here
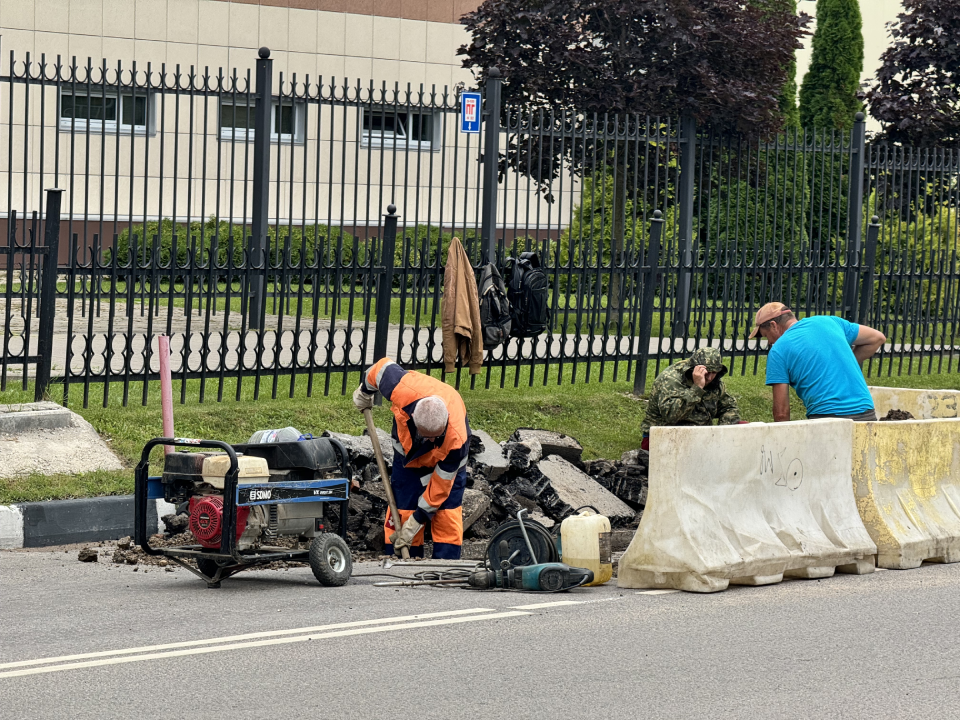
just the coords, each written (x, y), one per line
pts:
(906, 479)
(922, 404)
(747, 505)
(11, 527)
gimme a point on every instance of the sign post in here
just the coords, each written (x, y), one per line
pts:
(470, 112)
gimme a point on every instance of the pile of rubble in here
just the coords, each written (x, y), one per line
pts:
(537, 470)
(896, 414)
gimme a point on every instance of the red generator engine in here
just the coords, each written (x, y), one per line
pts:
(206, 519)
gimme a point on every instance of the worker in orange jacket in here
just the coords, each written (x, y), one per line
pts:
(431, 443)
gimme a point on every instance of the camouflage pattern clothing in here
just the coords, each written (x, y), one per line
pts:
(677, 400)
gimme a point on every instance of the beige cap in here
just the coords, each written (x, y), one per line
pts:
(770, 311)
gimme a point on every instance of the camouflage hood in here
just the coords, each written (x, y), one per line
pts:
(708, 357)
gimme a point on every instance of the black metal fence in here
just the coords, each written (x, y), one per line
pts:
(245, 219)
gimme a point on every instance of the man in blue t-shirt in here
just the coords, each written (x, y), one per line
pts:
(820, 358)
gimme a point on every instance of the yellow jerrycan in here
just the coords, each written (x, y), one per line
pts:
(585, 542)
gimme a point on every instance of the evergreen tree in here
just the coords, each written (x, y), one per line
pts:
(828, 95)
(787, 100)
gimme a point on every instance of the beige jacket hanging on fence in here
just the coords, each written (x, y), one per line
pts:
(460, 312)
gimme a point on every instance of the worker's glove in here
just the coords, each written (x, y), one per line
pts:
(363, 400)
(404, 538)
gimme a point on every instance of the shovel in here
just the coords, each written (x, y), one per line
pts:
(382, 466)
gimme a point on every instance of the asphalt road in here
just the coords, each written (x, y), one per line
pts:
(876, 646)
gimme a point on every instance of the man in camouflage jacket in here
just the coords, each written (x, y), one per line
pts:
(690, 393)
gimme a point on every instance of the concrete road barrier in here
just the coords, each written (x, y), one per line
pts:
(62, 522)
(747, 505)
(922, 404)
(906, 478)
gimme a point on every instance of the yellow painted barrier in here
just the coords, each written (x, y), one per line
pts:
(747, 505)
(922, 404)
(906, 479)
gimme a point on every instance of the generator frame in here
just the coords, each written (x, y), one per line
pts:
(228, 558)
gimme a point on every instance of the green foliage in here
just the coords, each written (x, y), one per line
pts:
(787, 100)
(758, 218)
(329, 246)
(915, 96)
(203, 239)
(828, 95)
(928, 243)
(588, 239)
(413, 252)
(724, 61)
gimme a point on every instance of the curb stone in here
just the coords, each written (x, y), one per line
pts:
(26, 417)
(63, 522)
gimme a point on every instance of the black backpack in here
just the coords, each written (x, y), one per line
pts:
(528, 296)
(494, 308)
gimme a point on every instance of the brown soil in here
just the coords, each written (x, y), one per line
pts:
(897, 415)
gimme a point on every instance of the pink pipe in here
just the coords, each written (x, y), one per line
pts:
(166, 390)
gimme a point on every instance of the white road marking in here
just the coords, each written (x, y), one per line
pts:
(657, 592)
(257, 643)
(236, 638)
(538, 606)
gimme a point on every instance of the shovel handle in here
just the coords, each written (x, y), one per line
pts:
(382, 466)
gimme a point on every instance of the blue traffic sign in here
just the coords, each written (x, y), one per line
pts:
(470, 112)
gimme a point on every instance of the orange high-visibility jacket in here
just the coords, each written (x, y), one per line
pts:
(447, 454)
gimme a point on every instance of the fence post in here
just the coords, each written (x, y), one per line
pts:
(865, 301)
(261, 191)
(858, 151)
(48, 294)
(688, 155)
(646, 308)
(388, 248)
(491, 162)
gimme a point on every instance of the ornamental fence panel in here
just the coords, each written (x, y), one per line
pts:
(288, 230)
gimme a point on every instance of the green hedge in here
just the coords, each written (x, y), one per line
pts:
(329, 243)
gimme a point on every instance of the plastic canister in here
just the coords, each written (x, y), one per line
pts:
(585, 539)
(250, 470)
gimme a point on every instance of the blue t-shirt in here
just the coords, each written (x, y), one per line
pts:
(815, 358)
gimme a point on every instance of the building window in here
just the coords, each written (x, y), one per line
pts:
(399, 127)
(287, 121)
(98, 112)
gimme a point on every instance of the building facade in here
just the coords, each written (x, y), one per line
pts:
(406, 41)
(143, 110)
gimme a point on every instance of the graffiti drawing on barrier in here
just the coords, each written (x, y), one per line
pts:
(783, 474)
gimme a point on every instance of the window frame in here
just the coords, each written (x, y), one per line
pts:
(298, 137)
(374, 139)
(107, 127)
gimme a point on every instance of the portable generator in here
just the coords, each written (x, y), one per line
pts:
(242, 498)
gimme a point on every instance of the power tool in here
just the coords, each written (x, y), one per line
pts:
(548, 576)
(511, 543)
(544, 577)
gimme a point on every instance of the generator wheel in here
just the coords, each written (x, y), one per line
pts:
(330, 560)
